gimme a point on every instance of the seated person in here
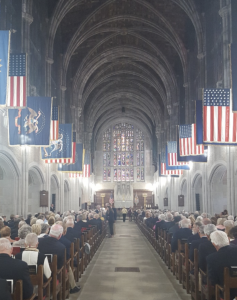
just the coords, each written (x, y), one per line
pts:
(71, 233)
(32, 256)
(91, 221)
(226, 256)
(98, 222)
(149, 220)
(183, 233)
(81, 223)
(22, 233)
(206, 248)
(159, 224)
(52, 245)
(44, 230)
(175, 227)
(63, 239)
(13, 268)
(196, 243)
(233, 236)
(6, 233)
(195, 235)
(169, 221)
(14, 228)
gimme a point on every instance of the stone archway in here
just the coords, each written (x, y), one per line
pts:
(54, 189)
(9, 186)
(218, 189)
(197, 196)
(66, 196)
(35, 185)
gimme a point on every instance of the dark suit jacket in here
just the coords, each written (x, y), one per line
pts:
(51, 245)
(72, 234)
(203, 251)
(195, 245)
(193, 237)
(5, 294)
(92, 222)
(182, 233)
(216, 262)
(174, 228)
(66, 243)
(79, 225)
(168, 225)
(18, 270)
(148, 222)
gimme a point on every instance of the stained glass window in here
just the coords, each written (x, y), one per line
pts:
(123, 148)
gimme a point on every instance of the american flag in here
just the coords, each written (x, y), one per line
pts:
(172, 155)
(65, 160)
(163, 170)
(75, 175)
(54, 124)
(187, 141)
(16, 96)
(86, 169)
(219, 123)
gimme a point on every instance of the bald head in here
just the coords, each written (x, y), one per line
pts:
(56, 231)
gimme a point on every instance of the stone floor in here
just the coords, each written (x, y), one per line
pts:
(154, 282)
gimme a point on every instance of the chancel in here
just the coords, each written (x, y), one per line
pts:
(118, 148)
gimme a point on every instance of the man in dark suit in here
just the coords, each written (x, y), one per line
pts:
(196, 243)
(91, 221)
(206, 248)
(13, 268)
(80, 224)
(226, 256)
(175, 227)
(71, 233)
(183, 233)
(195, 235)
(169, 222)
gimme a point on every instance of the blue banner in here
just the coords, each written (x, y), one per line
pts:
(234, 76)
(62, 147)
(4, 63)
(31, 125)
(78, 166)
(199, 123)
(169, 168)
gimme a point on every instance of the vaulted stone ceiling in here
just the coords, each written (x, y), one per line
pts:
(126, 53)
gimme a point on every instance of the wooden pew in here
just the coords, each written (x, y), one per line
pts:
(38, 280)
(194, 277)
(178, 259)
(185, 267)
(168, 243)
(56, 283)
(207, 290)
(65, 277)
(18, 291)
(230, 282)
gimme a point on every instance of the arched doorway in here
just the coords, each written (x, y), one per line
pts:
(35, 185)
(197, 203)
(66, 196)
(54, 188)
(9, 186)
(218, 189)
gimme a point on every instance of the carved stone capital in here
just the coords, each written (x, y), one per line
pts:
(28, 18)
(201, 55)
(63, 88)
(223, 12)
(49, 60)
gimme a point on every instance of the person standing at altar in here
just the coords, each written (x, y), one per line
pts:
(124, 212)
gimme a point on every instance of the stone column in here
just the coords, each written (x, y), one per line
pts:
(62, 105)
(187, 103)
(49, 62)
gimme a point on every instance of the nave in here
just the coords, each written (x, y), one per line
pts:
(128, 248)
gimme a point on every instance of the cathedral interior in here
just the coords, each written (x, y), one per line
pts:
(126, 74)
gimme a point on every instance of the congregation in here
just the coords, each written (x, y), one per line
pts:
(49, 241)
(197, 248)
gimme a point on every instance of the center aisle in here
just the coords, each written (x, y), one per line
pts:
(128, 248)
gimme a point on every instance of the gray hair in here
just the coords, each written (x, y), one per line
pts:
(44, 227)
(4, 244)
(199, 218)
(198, 223)
(31, 239)
(230, 217)
(21, 223)
(209, 228)
(201, 229)
(219, 238)
(169, 217)
(79, 217)
(69, 223)
(204, 215)
(228, 223)
(161, 217)
(39, 221)
(23, 231)
(185, 223)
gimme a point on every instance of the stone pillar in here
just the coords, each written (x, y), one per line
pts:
(187, 103)
(62, 105)
(49, 62)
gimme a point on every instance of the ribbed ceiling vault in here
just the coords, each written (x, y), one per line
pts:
(124, 53)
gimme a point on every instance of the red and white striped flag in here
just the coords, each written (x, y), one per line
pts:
(163, 170)
(187, 141)
(75, 175)
(219, 122)
(54, 124)
(172, 155)
(86, 169)
(16, 96)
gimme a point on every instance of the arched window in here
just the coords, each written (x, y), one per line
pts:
(123, 153)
